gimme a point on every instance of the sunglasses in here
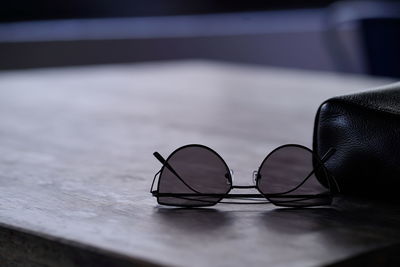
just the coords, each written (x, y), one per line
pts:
(290, 176)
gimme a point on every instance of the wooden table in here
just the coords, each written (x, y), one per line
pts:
(76, 166)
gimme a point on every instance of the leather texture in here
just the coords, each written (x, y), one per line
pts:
(364, 129)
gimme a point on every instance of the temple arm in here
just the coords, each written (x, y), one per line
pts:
(168, 166)
(327, 155)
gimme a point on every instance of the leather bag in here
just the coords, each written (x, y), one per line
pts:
(364, 128)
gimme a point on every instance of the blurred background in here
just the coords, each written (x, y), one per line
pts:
(341, 36)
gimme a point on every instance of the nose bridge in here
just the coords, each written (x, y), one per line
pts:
(229, 177)
(255, 175)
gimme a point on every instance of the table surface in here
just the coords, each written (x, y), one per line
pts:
(76, 163)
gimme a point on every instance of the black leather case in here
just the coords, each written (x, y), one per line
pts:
(364, 129)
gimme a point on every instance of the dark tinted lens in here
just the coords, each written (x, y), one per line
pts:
(287, 178)
(200, 171)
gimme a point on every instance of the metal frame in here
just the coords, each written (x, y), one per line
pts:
(318, 164)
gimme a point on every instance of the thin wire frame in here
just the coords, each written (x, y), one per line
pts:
(250, 197)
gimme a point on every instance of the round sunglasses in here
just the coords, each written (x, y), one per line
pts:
(290, 176)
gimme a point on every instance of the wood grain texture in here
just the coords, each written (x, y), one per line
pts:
(76, 163)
